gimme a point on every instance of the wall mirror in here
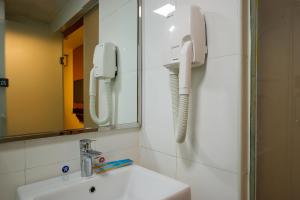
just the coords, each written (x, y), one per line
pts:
(46, 54)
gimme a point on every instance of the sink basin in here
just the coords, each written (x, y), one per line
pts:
(126, 183)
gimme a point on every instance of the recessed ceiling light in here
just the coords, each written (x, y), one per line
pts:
(140, 11)
(172, 28)
(165, 10)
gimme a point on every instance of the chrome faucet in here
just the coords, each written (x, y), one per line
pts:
(87, 155)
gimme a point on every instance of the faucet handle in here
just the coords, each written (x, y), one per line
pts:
(94, 153)
(85, 144)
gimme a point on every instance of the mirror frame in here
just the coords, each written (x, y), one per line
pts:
(137, 124)
(253, 98)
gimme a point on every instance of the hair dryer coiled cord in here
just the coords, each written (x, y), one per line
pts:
(180, 84)
(180, 107)
(107, 101)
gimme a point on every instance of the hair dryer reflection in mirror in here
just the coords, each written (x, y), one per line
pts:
(105, 68)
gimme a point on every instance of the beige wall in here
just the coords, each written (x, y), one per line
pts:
(35, 96)
(2, 90)
(278, 164)
(91, 39)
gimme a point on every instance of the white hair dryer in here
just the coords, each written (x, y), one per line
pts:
(187, 48)
(105, 68)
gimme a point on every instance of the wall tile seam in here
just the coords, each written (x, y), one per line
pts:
(11, 146)
(114, 11)
(25, 163)
(52, 163)
(73, 138)
(130, 71)
(156, 151)
(56, 140)
(115, 149)
(18, 170)
(196, 162)
(208, 58)
(98, 147)
(212, 166)
(238, 8)
(134, 137)
(25, 177)
(173, 154)
(224, 55)
(56, 163)
(176, 164)
(119, 149)
(108, 133)
(122, 149)
(12, 172)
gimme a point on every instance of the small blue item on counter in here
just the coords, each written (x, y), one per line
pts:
(100, 168)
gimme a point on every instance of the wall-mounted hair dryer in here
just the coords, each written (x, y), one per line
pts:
(105, 68)
(187, 48)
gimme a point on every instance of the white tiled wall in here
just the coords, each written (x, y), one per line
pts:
(118, 24)
(34, 160)
(211, 158)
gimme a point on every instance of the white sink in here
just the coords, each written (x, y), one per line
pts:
(127, 183)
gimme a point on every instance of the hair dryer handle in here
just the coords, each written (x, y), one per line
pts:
(185, 67)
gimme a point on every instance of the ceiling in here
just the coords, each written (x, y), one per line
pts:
(37, 10)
